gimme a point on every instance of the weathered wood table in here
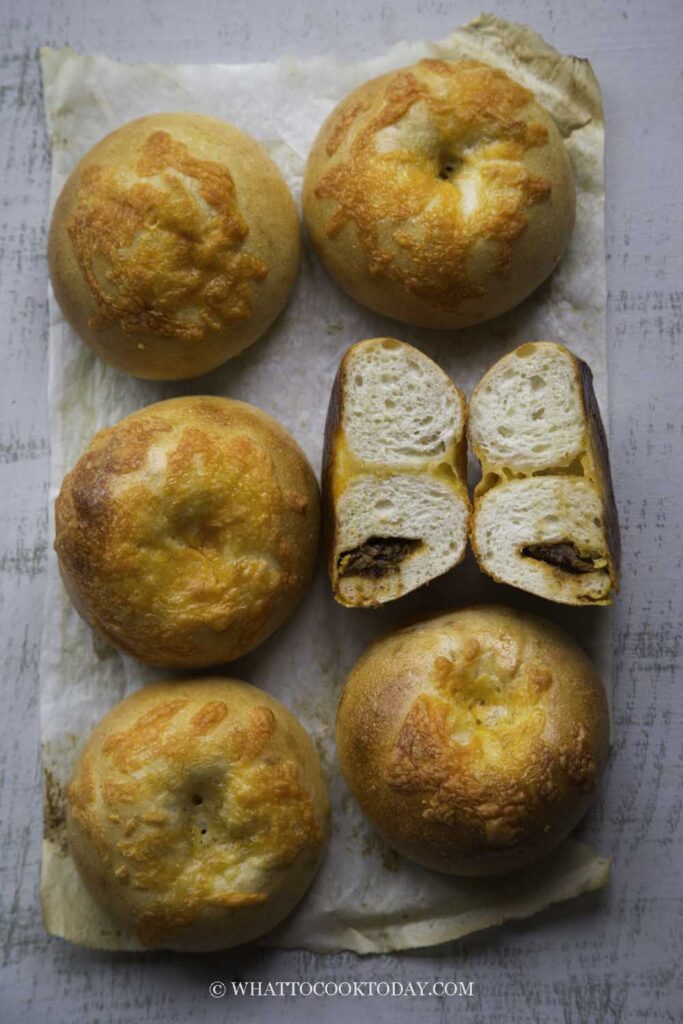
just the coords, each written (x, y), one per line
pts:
(614, 956)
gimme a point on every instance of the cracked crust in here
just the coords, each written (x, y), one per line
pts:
(440, 195)
(187, 532)
(197, 813)
(474, 741)
(173, 245)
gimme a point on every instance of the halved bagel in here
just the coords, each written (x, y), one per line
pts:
(544, 518)
(395, 498)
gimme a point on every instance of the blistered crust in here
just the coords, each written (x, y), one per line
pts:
(163, 254)
(173, 245)
(187, 532)
(422, 181)
(473, 741)
(197, 813)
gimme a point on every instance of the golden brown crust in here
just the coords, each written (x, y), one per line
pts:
(197, 813)
(173, 245)
(110, 227)
(187, 532)
(429, 191)
(474, 740)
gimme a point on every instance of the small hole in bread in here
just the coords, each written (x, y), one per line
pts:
(448, 168)
(196, 799)
(538, 414)
(574, 468)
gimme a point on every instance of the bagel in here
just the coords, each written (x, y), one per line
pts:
(173, 246)
(187, 532)
(474, 741)
(545, 518)
(440, 195)
(197, 813)
(395, 502)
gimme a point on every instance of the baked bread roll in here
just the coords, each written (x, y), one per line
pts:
(441, 194)
(187, 532)
(173, 245)
(544, 513)
(395, 500)
(197, 813)
(473, 741)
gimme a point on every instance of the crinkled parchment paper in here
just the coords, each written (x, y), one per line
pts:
(365, 897)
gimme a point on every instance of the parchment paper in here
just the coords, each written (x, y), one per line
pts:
(365, 897)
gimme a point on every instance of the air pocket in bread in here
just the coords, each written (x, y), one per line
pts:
(396, 504)
(544, 513)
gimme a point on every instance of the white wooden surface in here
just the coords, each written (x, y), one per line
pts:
(611, 957)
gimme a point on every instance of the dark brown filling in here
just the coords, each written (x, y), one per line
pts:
(378, 556)
(565, 556)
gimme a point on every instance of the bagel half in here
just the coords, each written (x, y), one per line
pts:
(545, 518)
(395, 502)
(440, 195)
